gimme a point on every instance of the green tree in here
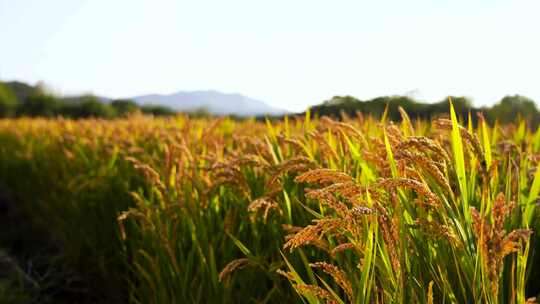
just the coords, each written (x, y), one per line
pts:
(157, 110)
(45, 105)
(8, 101)
(510, 107)
(87, 106)
(124, 107)
(341, 100)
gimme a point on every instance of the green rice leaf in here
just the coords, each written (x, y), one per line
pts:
(459, 158)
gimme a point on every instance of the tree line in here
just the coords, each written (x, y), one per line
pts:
(507, 110)
(18, 99)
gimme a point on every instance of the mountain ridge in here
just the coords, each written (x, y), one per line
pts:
(215, 102)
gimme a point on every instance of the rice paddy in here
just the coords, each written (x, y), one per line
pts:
(301, 210)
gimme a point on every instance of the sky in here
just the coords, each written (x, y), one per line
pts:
(288, 53)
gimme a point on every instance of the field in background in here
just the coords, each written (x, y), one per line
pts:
(363, 210)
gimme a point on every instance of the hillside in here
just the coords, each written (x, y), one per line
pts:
(214, 102)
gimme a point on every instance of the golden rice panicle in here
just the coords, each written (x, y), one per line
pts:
(313, 233)
(259, 147)
(359, 211)
(390, 234)
(232, 267)
(324, 147)
(378, 160)
(297, 164)
(343, 128)
(511, 241)
(323, 176)
(131, 213)
(349, 193)
(328, 199)
(428, 165)
(394, 134)
(319, 243)
(500, 211)
(149, 173)
(316, 291)
(339, 277)
(294, 143)
(230, 175)
(424, 144)
(494, 243)
(340, 248)
(352, 131)
(265, 205)
(434, 229)
(349, 190)
(420, 188)
(478, 225)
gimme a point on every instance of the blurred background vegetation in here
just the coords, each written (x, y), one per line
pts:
(505, 111)
(19, 99)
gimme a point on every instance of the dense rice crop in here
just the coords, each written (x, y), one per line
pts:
(306, 210)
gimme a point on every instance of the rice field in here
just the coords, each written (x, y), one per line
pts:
(301, 210)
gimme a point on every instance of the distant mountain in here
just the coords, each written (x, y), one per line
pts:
(214, 102)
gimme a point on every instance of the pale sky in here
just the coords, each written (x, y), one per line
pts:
(289, 53)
